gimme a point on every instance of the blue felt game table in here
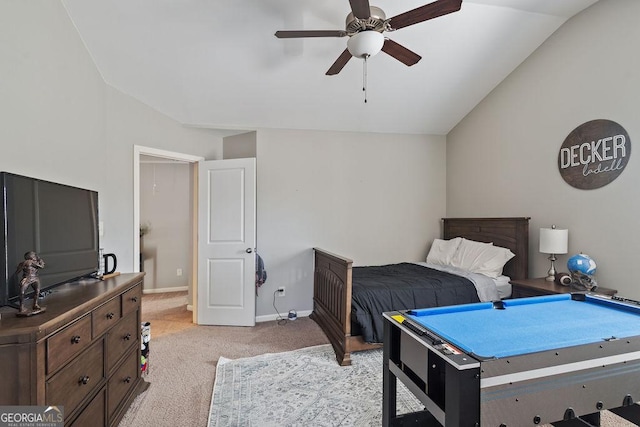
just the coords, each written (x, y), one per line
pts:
(516, 362)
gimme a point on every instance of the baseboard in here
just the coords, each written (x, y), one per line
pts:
(259, 319)
(163, 290)
(270, 317)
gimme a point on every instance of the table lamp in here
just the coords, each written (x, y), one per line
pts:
(553, 241)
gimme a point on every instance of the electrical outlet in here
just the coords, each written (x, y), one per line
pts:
(281, 292)
(179, 272)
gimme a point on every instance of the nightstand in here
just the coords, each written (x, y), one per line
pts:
(521, 288)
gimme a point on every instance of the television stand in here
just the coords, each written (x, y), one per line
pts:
(83, 353)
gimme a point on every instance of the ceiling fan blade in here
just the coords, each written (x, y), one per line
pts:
(340, 63)
(360, 8)
(400, 52)
(309, 33)
(424, 13)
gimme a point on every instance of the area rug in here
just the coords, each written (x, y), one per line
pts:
(304, 387)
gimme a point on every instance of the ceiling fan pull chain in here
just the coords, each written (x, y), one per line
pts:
(364, 78)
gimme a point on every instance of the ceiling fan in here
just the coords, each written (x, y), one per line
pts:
(365, 25)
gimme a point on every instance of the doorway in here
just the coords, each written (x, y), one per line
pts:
(142, 154)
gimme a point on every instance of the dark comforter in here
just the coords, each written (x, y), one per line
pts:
(402, 286)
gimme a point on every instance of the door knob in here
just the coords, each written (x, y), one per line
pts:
(249, 250)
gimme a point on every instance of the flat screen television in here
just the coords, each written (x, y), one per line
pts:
(59, 222)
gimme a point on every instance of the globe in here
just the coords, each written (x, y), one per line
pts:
(582, 263)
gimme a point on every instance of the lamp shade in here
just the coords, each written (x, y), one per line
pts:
(554, 241)
(365, 43)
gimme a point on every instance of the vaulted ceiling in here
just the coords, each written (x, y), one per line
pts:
(217, 63)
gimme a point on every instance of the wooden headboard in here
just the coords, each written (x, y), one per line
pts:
(510, 233)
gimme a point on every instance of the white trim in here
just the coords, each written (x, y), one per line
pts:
(559, 369)
(139, 150)
(164, 162)
(270, 317)
(171, 155)
(163, 290)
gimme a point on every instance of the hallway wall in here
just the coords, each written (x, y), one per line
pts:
(166, 208)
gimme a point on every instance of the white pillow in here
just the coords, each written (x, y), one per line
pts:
(482, 258)
(468, 252)
(491, 262)
(442, 251)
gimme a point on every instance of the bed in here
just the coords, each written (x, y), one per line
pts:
(333, 274)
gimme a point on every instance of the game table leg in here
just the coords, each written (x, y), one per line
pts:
(390, 389)
(389, 381)
(459, 394)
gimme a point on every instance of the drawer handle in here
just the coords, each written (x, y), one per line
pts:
(110, 315)
(84, 380)
(127, 337)
(127, 380)
(134, 299)
(75, 339)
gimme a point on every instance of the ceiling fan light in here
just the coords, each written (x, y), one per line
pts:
(365, 43)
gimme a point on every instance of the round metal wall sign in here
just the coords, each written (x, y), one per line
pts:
(594, 154)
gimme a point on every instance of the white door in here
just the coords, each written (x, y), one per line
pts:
(226, 242)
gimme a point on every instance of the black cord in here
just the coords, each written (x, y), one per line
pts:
(281, 320)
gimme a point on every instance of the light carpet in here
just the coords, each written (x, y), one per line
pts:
(302, 388)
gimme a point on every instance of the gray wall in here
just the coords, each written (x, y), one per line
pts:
(501, 159)
(166, 206)
(61, 122)
(241, 146)
(374, 198)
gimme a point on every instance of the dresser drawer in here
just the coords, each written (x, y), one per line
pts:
(105, 316)
(121, 337)
(94, 413)
(65, 344)
(131, 300)
(122, 380)
(77, 380)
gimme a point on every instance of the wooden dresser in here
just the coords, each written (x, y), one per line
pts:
(83, 353)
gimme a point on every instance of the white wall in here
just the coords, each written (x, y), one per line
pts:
(60, 122)
(374, 198)
(502, 158)
(51, 98)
